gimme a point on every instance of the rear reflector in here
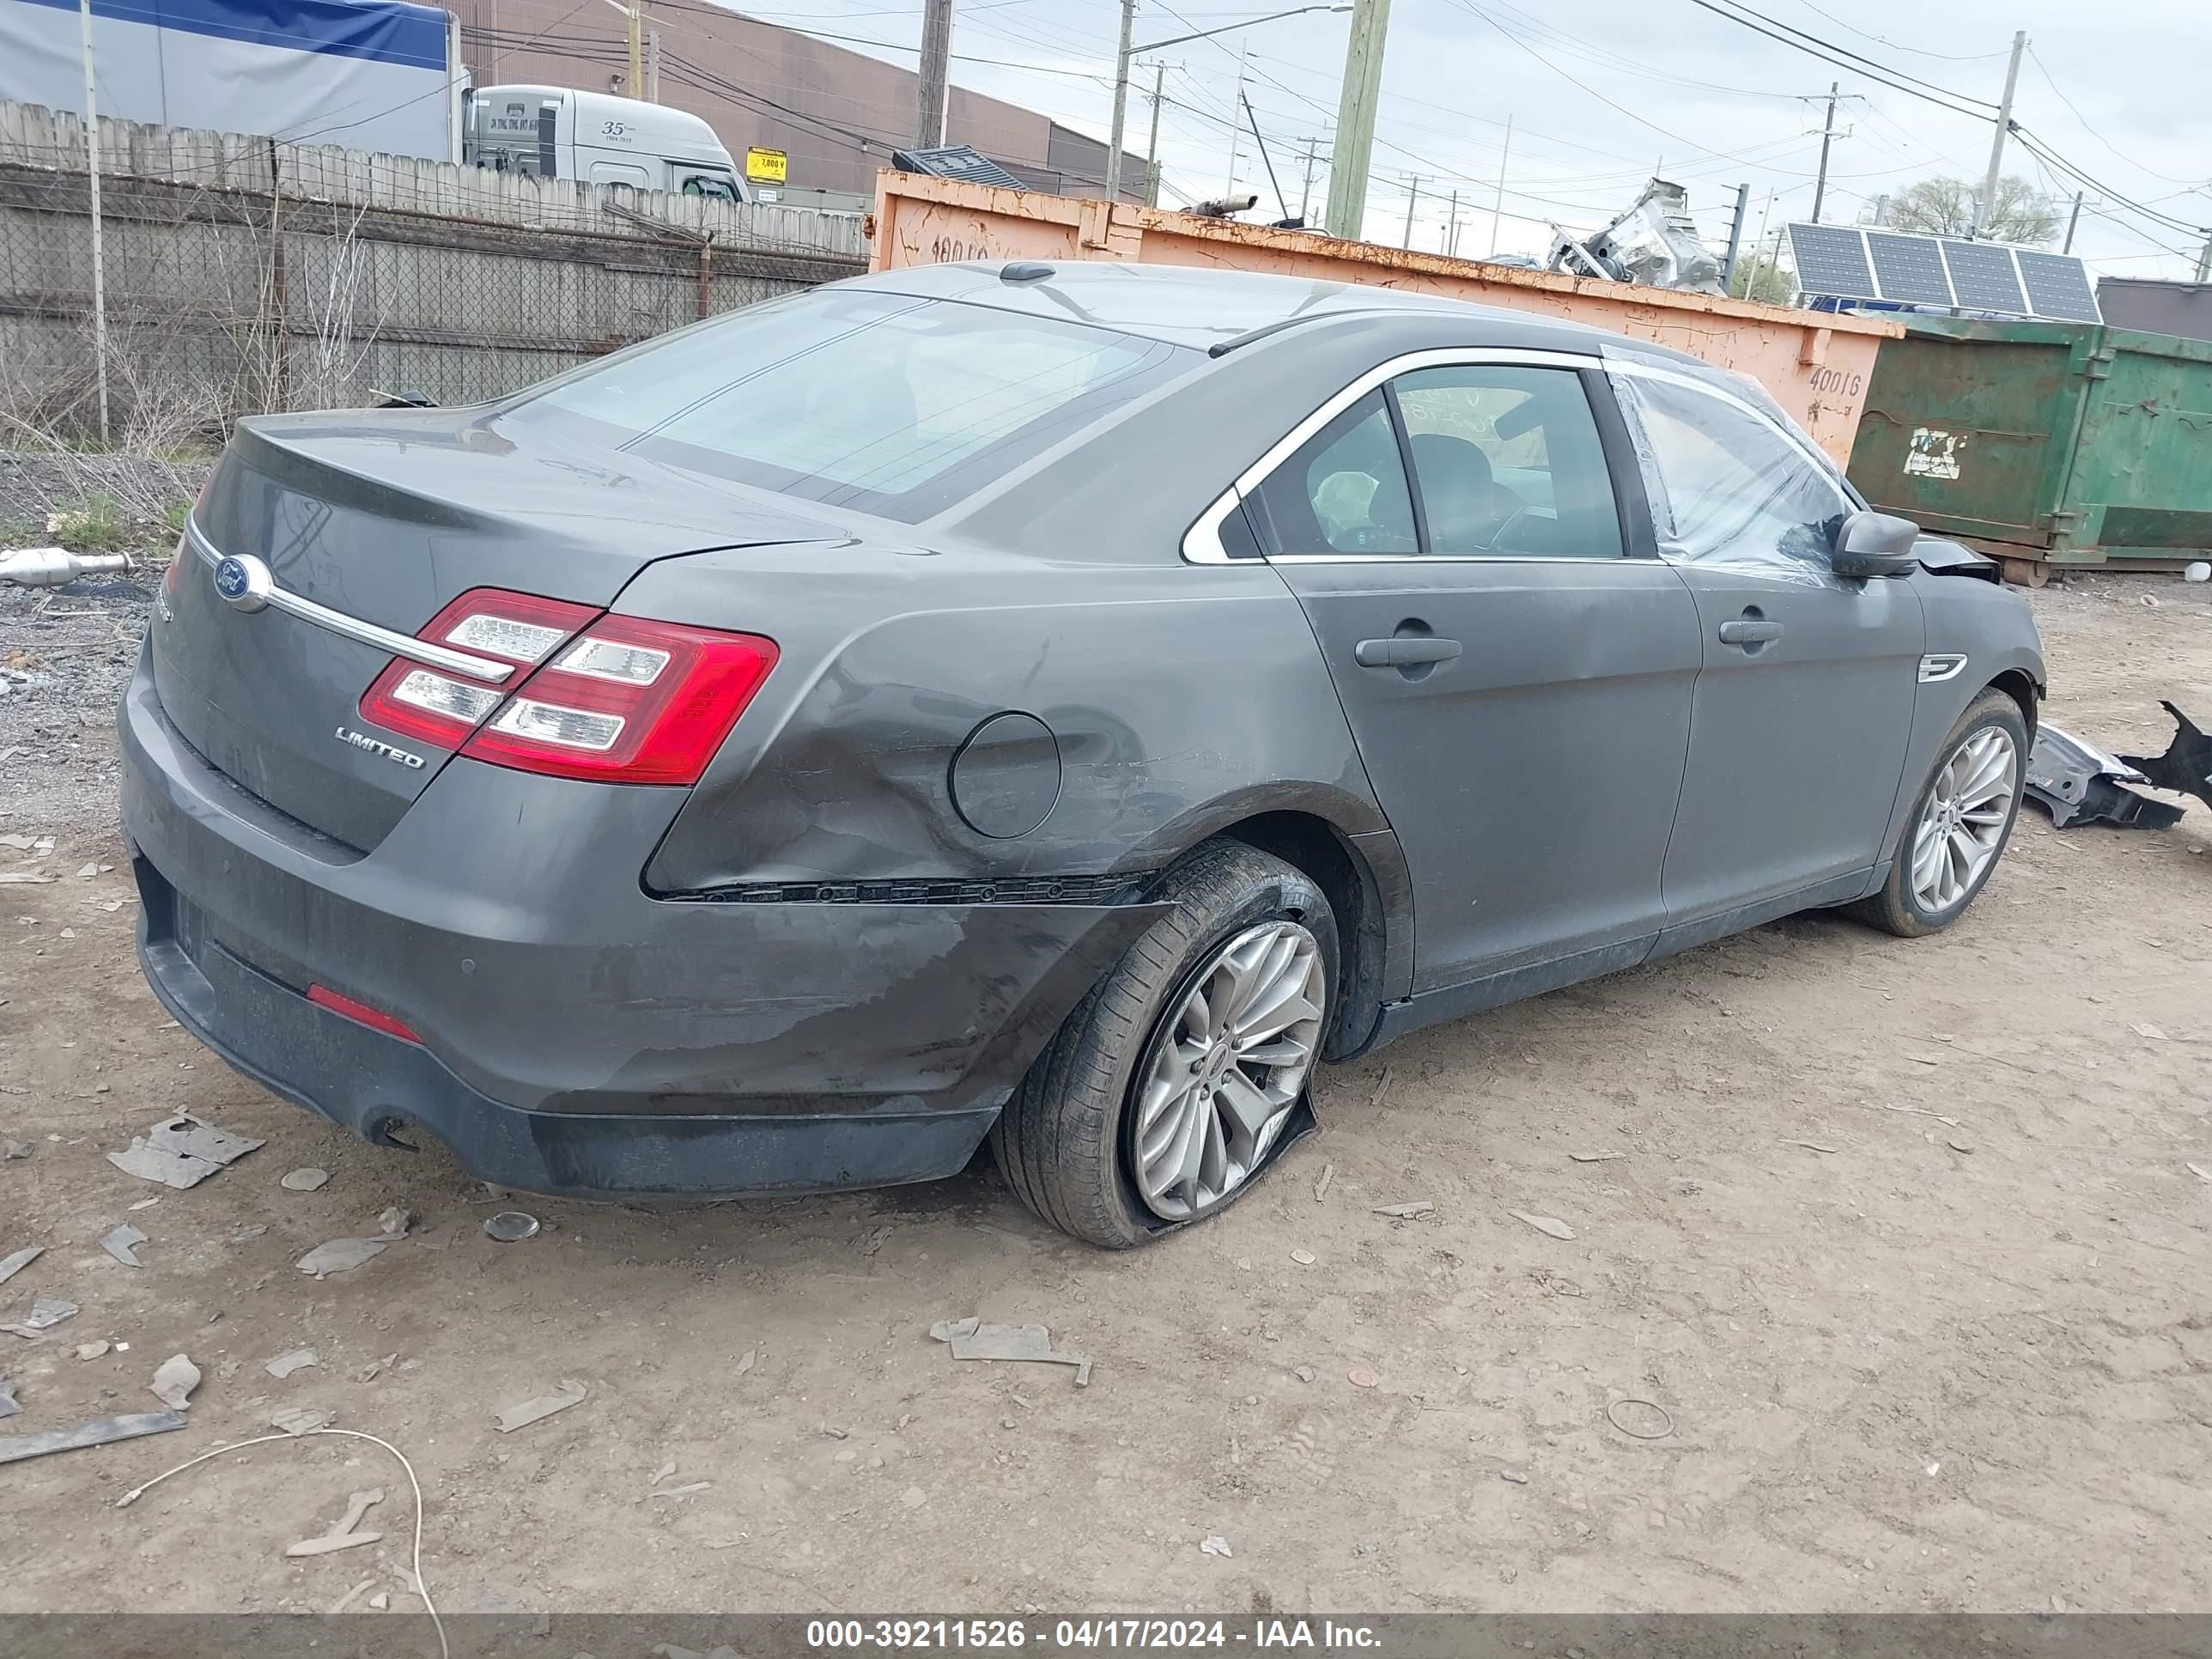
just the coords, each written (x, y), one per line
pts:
(631, 701)
(361, 1014)
(613, 699)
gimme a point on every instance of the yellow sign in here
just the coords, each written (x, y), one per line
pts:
(766, 166)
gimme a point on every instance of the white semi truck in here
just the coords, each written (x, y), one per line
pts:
(558, 132)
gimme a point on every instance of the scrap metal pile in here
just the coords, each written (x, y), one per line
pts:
(2079, 783)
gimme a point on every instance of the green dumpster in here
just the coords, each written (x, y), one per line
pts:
(2046, 444)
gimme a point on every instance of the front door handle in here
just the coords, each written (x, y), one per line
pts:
(1745, 631)
(1404, 652)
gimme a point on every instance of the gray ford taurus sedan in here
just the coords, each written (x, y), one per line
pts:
(1058, 703)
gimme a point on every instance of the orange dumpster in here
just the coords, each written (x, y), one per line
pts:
(1814, 364)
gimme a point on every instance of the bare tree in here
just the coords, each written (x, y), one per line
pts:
(1946, 207)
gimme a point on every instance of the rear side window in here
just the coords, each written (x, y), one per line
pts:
(1343, 491)
(877, 401)
(1508, 463)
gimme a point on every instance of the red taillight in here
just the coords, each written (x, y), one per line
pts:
(628, 701)
(518, 629)
(617, 700)
(361, 1014)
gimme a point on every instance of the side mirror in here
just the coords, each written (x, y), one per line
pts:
(1875, 544)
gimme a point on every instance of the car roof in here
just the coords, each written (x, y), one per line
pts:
(1200, 306)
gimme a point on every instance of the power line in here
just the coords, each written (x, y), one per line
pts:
(1740, 13)
(2044, 70)
(1899, 46)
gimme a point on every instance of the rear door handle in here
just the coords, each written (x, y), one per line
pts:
(1743, 632)
(1404, 652)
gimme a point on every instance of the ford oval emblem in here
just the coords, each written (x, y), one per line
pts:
(242, 582)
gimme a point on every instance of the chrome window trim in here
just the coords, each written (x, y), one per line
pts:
(1202, 543)
(487, 670)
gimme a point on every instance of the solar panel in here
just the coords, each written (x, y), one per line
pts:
(954, 161)
(2058, 287)
(1831, 260)
(1984, 277)
(1909, 268)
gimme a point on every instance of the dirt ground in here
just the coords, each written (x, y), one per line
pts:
(1913, 1361)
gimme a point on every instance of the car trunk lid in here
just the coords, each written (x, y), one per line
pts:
(384, 519)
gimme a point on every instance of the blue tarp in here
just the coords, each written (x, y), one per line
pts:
(378, 31)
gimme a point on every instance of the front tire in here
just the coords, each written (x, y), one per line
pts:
(1166, 1090)
(1962, 823)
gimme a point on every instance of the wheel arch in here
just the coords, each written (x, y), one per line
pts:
(1374, 924)
(2018, 684)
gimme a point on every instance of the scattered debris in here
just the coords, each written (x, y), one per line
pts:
(347, 1599)
(971, 1338)
(304, 1180)
(1213, 1547)
(1959, 1145)
(2185, 768)
(2200, 1172)
(662, 1473)
(913, 1498)
(1382, 1088)
(1362, 1376)
(1321, 1186)
(531, 1411)
(510, 1226)
(8, 1406)
(170, 1168)
(341, 1256)
(2144, 1028)
(93, 1350)
(15, 1448)
(14, 1149)
(747, 1360)
(2078, 782)
(1812, 1146)
(1612, 1416)
(395, 1222)
(357, 1504)
(14, 1263)
(24, 877)
(1516, 1476)
(247, 1235)
(1544, 1223)
(302, 1419)
(145, 1203)
(45, 1313)
(175, 1379)
(121, 1241)
(297, 1359)
(1303, 1258)
(683, 1490)
(191, 1136)
(1304, 1373)
(380, 1601)
(872, 1241)
(1596, 1158)
(344, 1541)
(1405, 1212)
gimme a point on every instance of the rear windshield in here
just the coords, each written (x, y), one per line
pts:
(877, 401)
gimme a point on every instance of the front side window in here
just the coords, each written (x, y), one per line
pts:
(1508, 463)
(719, 185)
(1727, 487)
(1343, 491)
(895, 405)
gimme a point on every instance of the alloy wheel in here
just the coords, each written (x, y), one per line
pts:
(1225, 1069)
(1964, 822)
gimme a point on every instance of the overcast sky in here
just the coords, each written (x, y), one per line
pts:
(2118, 89)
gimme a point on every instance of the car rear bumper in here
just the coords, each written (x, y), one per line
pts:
(580, 1035)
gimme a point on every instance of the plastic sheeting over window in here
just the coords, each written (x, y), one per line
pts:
(1727, 487)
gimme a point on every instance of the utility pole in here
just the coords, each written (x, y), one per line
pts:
(1121, 102)
(652, 65)
(1152, 144)
(1498, 207)
(1236, 132)
(1354, 150)
(2004, 126)
(1827, 137)
(1735, 237)
(932, 74)
(1305, 196)
(2204, 259)
(1451, 227)
(99, 266)
(1412, 195)
(2072, 219)
(634, 87)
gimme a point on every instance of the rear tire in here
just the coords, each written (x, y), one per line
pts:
(1069, 1140)
(1962, 821)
